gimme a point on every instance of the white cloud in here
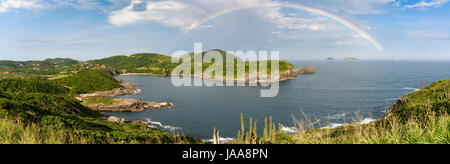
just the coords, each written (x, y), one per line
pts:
(77, 4)
(170, 13)
(290, 22)
(187, 15)
(6, 5)
(430, 3)
(429, 34)
(207, 26)
(354, 7)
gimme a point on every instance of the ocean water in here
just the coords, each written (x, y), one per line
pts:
(341, 92)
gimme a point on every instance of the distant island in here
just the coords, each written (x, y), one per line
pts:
(350, 59)
(330, 58)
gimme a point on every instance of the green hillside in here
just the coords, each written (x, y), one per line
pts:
(45, 67)
(89, 81)
(151, 63)
(161, 65)
(42, 111)
(138, 63)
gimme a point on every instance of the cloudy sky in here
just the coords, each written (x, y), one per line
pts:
(91, 29)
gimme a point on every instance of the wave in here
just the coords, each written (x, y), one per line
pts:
(413, 89)
(336, 116)
(367, 120)
(159, 125)
(138, 91)
(221, 139)
(391, 99)
(289, 130)
(332, 126)
(336, 125)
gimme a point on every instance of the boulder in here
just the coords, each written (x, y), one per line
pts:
(307, 70)
(116, 119)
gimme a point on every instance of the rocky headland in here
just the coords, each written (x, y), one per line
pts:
(125, 89)
(104, 101)
(351, 59)
(253, 78)
(128, 105)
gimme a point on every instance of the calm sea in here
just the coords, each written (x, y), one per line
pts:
(341, 92)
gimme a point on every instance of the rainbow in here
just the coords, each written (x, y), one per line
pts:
(342, 21)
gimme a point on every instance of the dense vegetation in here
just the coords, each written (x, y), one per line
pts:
(45, 67)
(138, 63)
(283, 65)
(89, 81)
(162, 65)
(42, 111)
(151, 63)
(421, 117)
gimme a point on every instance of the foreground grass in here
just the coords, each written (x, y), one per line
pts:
(17, 131)
(14, 131)
(435, 130)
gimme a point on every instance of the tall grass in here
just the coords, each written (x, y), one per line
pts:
(14, 131)
(433, 130)
(251, 136)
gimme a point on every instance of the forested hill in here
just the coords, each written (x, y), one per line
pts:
(153, 63)
(39, 110)
(160, 64)
(48, 66)
(137, 63)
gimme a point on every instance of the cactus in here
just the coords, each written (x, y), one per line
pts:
(265, 133)
(216, 137)
(251, 136)
(242, 127)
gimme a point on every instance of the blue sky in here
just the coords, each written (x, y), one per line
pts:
(92, 29)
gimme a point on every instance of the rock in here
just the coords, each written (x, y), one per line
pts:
(116, 119)
(125, 89)
(307, 70)
(141, 122)
(129, 105)
(350, 59)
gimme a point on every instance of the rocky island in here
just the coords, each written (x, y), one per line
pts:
(351, 59)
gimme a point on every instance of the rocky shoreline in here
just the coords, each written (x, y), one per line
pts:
(128, 105)
(120, 105)
(119, 120)
(132, 105)
(125, 89)
(287, 75)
